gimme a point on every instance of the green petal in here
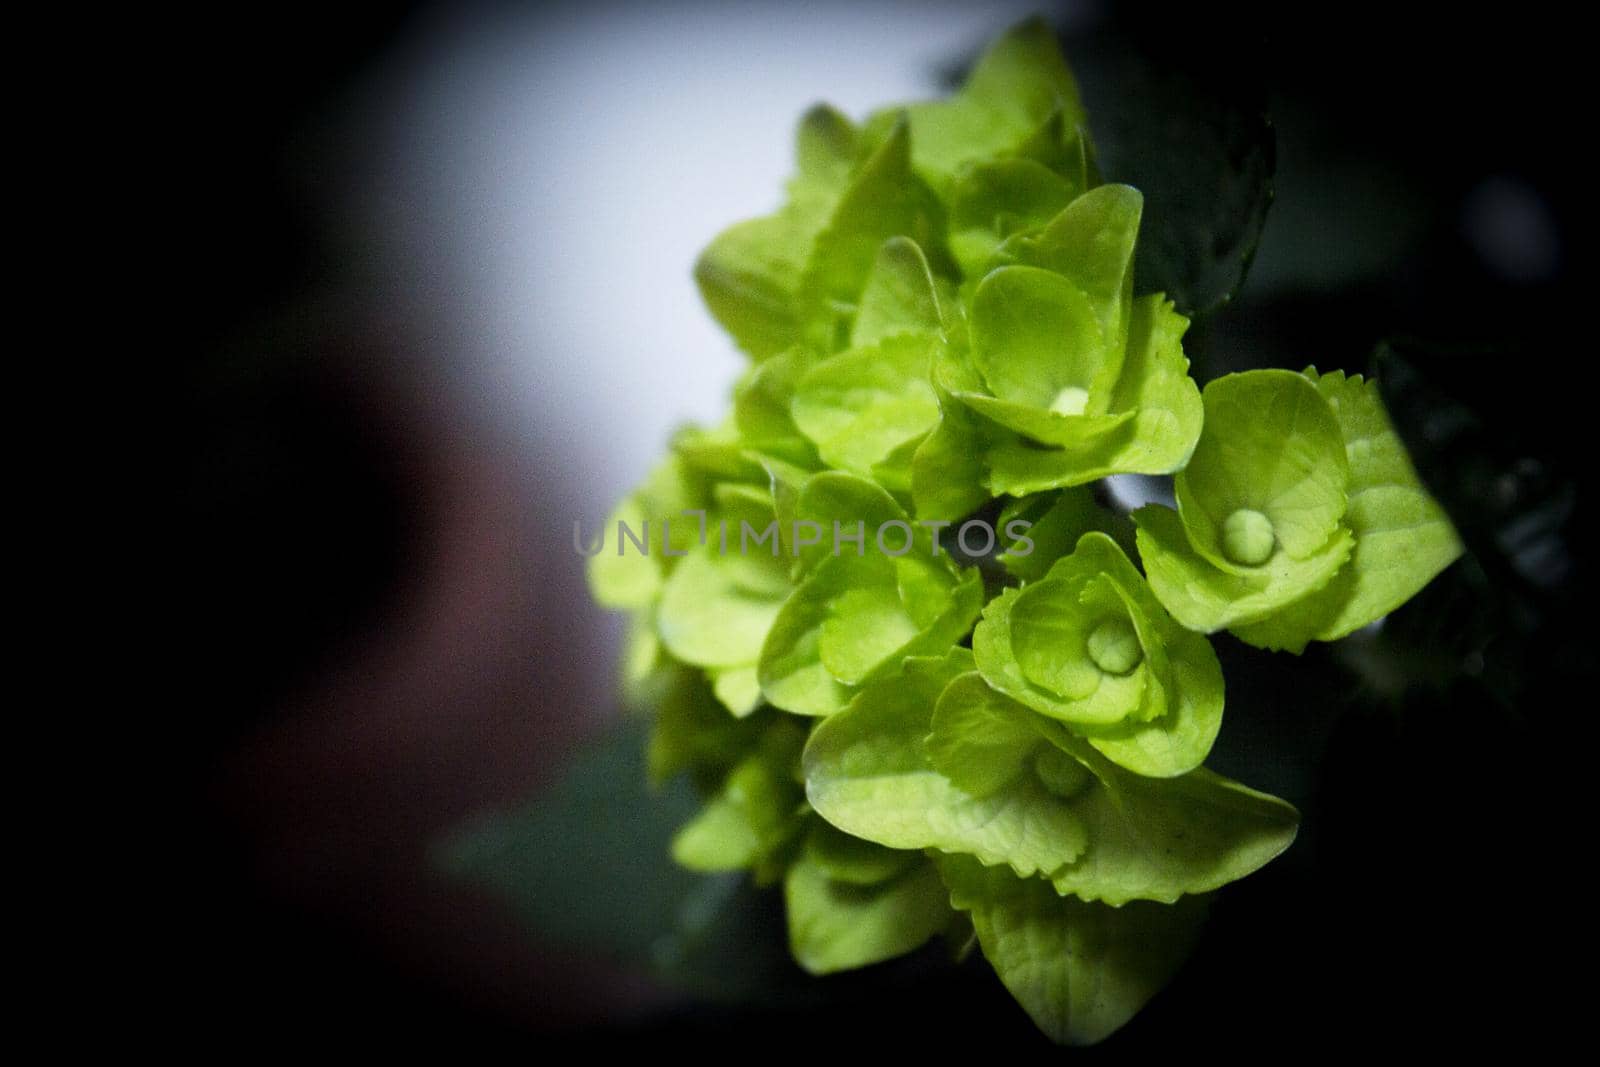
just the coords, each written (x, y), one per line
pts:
(854, 619)
(761, 402)
(991, 650)
(981, 747)
(825, 149)
(752, 816)
(620, 576)
(749, 277)
(710, 456)
(899, 297)
(1075, 435)
(1402, 537)
(1063, 147)
(839, 925)
(785, 481)
(1182, 713)
(893, 472)
(861, 404)
(716, 608)
(790, 666)
(1037, 343)
(1179, 739)
(752, 273)
(1018, 84)
(884, 199)
(851, 860)
(1080, 970)
(691, 732)
(1154, 387)
(1057, 521)
(1043, 636)
(738, 688)
(1206, 599)
(835, 497)
(1159, 838)
(1271, 445)
(1050, 637)
(866, 625)
(948, 480)
(1023, 77)
(643, 663)
(994, 200)
(869, 774)
(1137, 693)
(1091, 244)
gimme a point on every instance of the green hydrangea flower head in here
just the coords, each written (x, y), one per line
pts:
(912, 736)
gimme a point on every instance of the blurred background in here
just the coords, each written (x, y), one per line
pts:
(435, 261)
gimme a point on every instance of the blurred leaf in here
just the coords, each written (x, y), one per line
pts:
(1505, 491)
(1511, 486)
(1196, 141)
(729, 943)
(587, 863)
